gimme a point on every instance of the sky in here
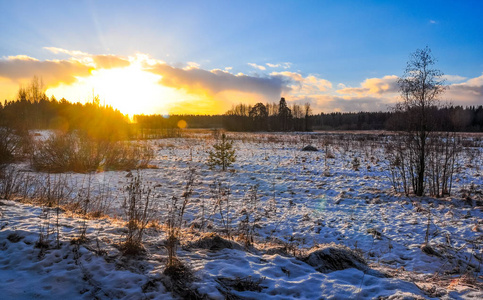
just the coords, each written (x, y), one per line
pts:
(203, 57)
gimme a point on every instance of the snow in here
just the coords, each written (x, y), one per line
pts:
(304, 200)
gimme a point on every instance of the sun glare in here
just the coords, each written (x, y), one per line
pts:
(130, 89)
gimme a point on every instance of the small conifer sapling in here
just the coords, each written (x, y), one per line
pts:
(223, 154)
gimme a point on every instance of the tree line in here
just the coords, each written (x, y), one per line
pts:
(97, 121)
(445, 118)
(45, 113)
(34, 110)
(268, 117)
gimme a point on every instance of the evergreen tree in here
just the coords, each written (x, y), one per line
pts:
(284, 115)
(223, 154)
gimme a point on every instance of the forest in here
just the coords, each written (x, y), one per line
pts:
(44, 113)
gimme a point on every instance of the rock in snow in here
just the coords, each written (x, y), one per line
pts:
(333, 257)
(309, 148)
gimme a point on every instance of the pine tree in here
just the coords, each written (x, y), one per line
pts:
(223, 154)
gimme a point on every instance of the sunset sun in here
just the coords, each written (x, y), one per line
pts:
(130, 89)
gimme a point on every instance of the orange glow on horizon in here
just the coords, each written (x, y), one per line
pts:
(133, 90)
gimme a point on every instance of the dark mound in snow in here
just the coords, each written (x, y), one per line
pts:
(334, 257)
(309, 148)
(404, 296)
(214, 242)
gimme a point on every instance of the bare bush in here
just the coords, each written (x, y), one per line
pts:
(45, 231)
(10, 146)
(124, 155)
(397, 155)
(442, 150)
(101, 201)
(252, 215)
(11, 181)
(51, 190)
(76, 151)
(442, 157)
(221, 205)
(83, 202)
(63, 152)
(138, 210)
(175, 219)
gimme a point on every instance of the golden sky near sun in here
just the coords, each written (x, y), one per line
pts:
(140, 85)
(130, 89)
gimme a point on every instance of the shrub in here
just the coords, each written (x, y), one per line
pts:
(76, 151)
(124, 155)
(441, 157)
(356, 163)
(63, 152)
(10, 182)
(9, 145)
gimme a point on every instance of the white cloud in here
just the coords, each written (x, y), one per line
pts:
(453, 78)
(192, 65)
(21, 57)
(56, 50)
(285, 65)
(469, 92)
(274, 65)
(373, 86)
(300, 85)
(262, 68)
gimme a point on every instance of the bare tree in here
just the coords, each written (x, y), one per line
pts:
(420, 88)
(34, 91)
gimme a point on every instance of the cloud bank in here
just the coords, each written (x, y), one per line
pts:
(195, 80)
(218, 89)
(18, 68)
(469, 92)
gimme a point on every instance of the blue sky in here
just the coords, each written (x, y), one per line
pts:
(337, 55)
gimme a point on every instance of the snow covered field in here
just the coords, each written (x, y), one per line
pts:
(289, 201)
